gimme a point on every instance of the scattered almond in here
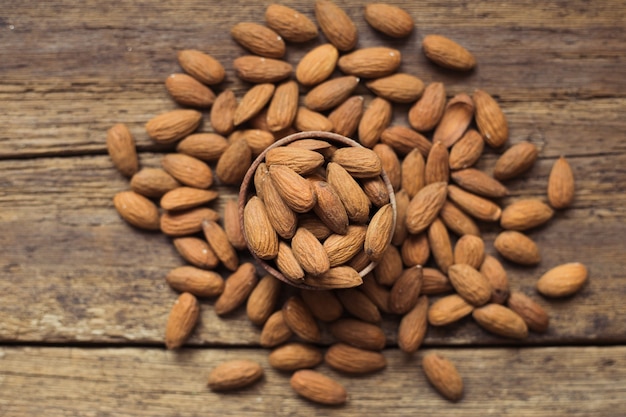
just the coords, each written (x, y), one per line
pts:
(563, 280)
(561, 184)
(234, 374)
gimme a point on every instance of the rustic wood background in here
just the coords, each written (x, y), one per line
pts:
(83, 301)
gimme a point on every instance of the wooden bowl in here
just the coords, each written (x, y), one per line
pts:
(247, 186)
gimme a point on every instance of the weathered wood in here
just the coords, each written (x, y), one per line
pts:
(73, 271)
(146, 382)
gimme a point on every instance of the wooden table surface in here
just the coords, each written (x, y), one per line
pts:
(83, 301)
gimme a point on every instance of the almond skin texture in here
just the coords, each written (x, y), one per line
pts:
(467, 150)
(390, 20)
(173, 125)
(518, 159)
(525, 214)
(413, 173)
(309, 252)
(495, 273)
(181, 321)
(403, 140)
(469, 250)
(428, 110)
(336, 25)
(329, 207)
(501, 320)
(435, 282)
(331, 93)
(318, 388)
(390, 164)
(350, 192)
(196, 281)
(415, 250)
(448, 309)
(399, 88)
(413, 326)
(223, 112)
(561, 184)
(294, 356)
(457, 221)
(153, 182)
(258, 39)
(258, 69)
(470, 284)
(323, 304)
(337, 277)
(490, 119)
(406, 290)
(196, 251)
(290, 24)
(232, 226)
(440, 245)
(447, 53)
(282, 218)
(346, 117)
(311, 120)
(532, 313)
(252, 102)
(218, 241)
(400, 232)
(436, 169)
(283, 107)
(275, 331)
(477, 207)
(234, 374)
(478, 182)
(288, 264)
(425, 206)
(261, 236)
(379, 232)
(376, 118)
(203, 67)
(358, 333)
(456, 118)
(517, 247)
(389, 267)
(294, 189)
(188, 91)
(443, 375)
(137, 210)
(352, 360)
(300, 320)
(317, 65)
(183, 198)
(186, 222)
(188, 170)
(359, 162)
(204, 146)
(236, 289)
(376, 189)
(370, 62)
(359, 305)
(121, 148)
(563, 280)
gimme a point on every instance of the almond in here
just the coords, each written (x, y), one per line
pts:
(370, 62)
(404, 140)
(309, 252)
(477, 207)
(232, 225)
(234, 374)
(428, 110)
(399, 88)
(260, 235)
(252, 102)
(282, 218)
(447, 53)
(467, 150)
(287, 263)
(355, 201)
(310, 120)
(379, 232)
(360, 261)
(358, 333)
(290, 24)
(188, 91)
(294, 189)
(335, 278)
(457, 116)
(469, 250)
(400, 232)
(275, 330)
(336, 25)
(443, 375)
(346, 117)
(478, 182)
(490, 119)
(415, 250)
(259, 69)
(406, 290)
(390, 164)
(359, 305)
(188, 170)
(324, 304)
(196, 281)
(283, 107)
(237, 288)
(300, 320)
(495, 273)
(390, 20)
(517, 247)
(448, 309)
(152, 182)
(137, 210)
(186, 222)
(375, 119)
(518, 159)
(121, 149)
(234, 162)
(436, 169)
(561, 184)
(532, 313)
(389, 267)
(173, 125)
(563, 280)
(183, 198)
(525, 214)
(218, 241)
(203, 67)
(330, 93)
(258, 39)
(318, 388)
(301, 161)
(223, 112)
(470, 284)
(329, 207)
(196, 251)
(440, 245)
(204, 146)
(314, 225)
(376, 190)
(457, 221)
(413, 326)
(413, 174)
(435, 282)
(181, 320)
(377, 293)
(262, 300)
(294, 356)
(317, 65)
(352, 360)
(501, 320)
(425, 206)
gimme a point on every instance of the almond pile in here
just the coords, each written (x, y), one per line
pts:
(321, 212)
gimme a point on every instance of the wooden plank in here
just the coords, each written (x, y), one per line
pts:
(72, 271)
(568, 381)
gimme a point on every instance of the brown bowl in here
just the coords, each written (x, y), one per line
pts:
(247, 184)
